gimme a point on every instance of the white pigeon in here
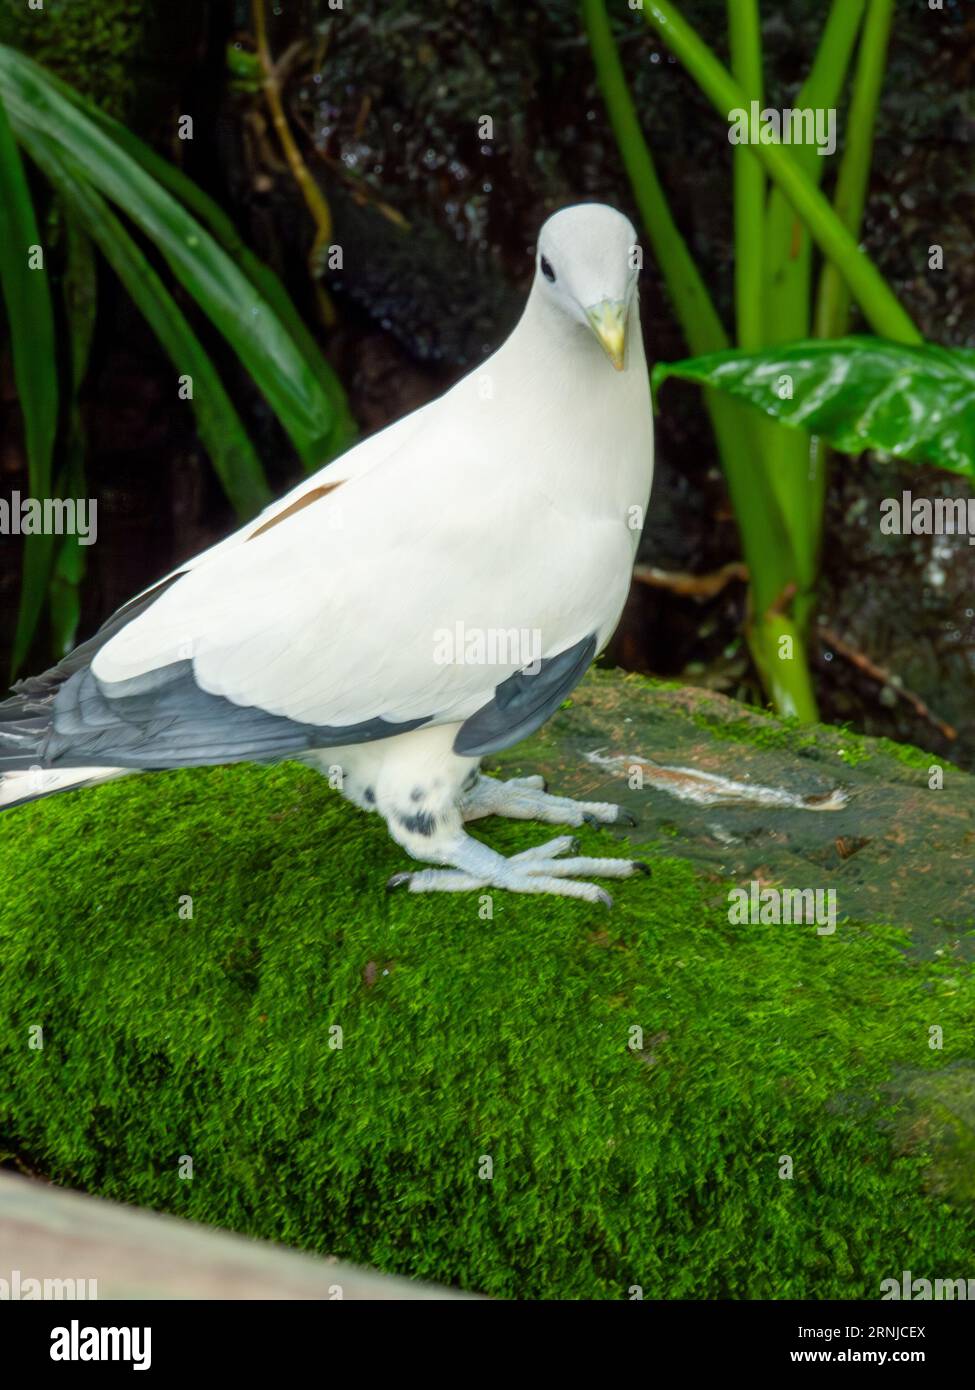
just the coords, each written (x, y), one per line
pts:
(427, 599)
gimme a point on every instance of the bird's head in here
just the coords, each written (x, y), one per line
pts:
(587, 266)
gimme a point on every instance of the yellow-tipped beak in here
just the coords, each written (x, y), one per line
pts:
(608, 322)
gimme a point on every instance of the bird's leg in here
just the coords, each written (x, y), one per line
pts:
(471, 865)
(525, 798)
(424, 792)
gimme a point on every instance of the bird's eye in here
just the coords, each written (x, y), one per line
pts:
(547, 271)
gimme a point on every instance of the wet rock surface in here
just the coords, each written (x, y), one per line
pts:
(897, 850)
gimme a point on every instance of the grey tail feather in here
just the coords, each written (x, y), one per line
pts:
(25, 722)
(26, 717)
(34, 784)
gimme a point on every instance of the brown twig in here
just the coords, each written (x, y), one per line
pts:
(700, 586)
(360, 189)
(315, 200)
(879, 673)
(703, 586)
(778, 606)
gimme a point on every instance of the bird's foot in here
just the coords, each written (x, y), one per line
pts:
(526, 798)
(535, 870)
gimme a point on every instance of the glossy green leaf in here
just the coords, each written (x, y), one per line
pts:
(856, 393)
(27, 299)
(39, 106)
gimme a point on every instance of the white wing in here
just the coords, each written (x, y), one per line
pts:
(341, 612)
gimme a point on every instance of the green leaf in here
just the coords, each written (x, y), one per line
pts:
(261, 276)
(220, 428)
(857, 393)
(245, 69)
(38, 106)
(27, 296)
(875, 297)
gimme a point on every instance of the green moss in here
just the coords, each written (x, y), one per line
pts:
(790, 735)
(462, 1038)
(919, 758)
(91, 44)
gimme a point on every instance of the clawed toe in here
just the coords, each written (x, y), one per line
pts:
(555, 867)
(563, 844)
(621, 817)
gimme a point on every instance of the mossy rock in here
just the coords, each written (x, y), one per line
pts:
(90, 44)
(632, 1080)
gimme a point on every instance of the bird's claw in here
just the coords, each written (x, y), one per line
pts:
(623, 817)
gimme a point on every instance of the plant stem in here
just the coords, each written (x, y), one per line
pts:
(881, 307)
(833, 301)
(314, 198)
(749, 179)
(796, 463)
(832, 311)
(693, 306)
(788, 263)
(764, 538)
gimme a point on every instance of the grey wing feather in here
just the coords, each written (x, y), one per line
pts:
(523, 702)
(64, 718)
(164, 719)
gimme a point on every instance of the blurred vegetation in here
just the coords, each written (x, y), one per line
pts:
(89, 158)
(383, 99)
(776, 479)
(92, 44)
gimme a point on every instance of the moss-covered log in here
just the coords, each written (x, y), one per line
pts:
(526, 1098)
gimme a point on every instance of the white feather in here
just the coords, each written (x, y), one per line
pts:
(512, 502)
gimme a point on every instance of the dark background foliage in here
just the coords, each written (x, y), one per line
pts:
(385, 98)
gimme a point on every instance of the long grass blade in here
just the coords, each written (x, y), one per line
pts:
(79, 288)
(27, 297)
(220, 428)
(880, 305)
(745, 33)
(241, 313)
(261, 276)
(833, 301)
